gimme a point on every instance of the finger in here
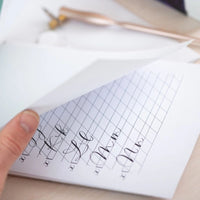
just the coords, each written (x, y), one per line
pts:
(13, 139)
(15, 136)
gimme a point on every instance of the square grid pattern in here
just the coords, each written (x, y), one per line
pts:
(112, 126)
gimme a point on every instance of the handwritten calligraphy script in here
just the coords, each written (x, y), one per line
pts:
(76, 149)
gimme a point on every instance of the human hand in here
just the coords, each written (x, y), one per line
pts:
(13, 139)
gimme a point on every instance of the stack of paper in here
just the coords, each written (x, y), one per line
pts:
(113, 115)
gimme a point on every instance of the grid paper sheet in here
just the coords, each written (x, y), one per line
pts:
(113, 125)
(106, 137)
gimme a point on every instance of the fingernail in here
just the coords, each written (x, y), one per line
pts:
(29, 121)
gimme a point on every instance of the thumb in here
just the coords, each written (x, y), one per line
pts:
(13, 139)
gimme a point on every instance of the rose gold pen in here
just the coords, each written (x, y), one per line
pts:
(99, 19)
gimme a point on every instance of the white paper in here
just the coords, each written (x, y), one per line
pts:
(133, 135)
(43, 78)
